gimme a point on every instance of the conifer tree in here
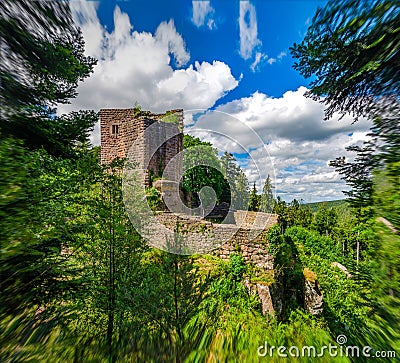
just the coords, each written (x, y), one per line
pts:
(237, 188)
(267, 197)
(352, 48)
(254, 199)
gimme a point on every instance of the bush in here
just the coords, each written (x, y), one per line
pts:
(237, 266)
(154, 199)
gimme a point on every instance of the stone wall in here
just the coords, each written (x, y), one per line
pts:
(121, 128)
(127, 128)
(251, 242)
(255, 219)
(254, 251)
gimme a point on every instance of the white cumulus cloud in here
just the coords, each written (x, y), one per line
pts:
(299, 143)
(198, 86)
(151, 69)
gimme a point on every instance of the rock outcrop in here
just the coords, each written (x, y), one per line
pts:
(341, 267)
(270, 297)
(313, 296)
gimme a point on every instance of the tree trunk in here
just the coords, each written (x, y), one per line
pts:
(358, 248)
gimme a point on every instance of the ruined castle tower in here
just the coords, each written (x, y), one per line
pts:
(121, 128)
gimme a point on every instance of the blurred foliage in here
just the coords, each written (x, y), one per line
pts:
(108, 297)
(352, 49)
(387, 194)
(42, 61)
(80, 285)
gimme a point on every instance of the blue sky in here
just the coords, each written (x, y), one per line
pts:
(231, 58)
(279, 24)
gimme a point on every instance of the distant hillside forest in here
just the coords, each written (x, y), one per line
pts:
(329, 203)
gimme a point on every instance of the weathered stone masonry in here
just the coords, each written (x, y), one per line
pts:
(249, 240)
(120, 128)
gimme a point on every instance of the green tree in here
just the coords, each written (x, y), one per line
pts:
(386, 194)
(166, 300)
(325, 219)
(47, 158)
(386, 133)
(229, 166)
(267, 196)
(42, 60)
(241, 192)
(373, 175)
(352, 49)
(202, 166)
(298, 214)
(111, 249)
(292, 214)
(358, 175)
(29, 249)
(388, 267)
(280, 208)
(254, 199)
(237, 192)
(230, 169)
(39, 276)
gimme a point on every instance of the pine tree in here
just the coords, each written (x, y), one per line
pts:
(237, 187)
(352, 49)
(241, 192)
(358, 175)
(267, 197)
(254, 199)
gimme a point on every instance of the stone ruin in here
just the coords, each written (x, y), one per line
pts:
(121, 128)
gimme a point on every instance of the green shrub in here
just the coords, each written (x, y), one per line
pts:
(154, 199)
(237, 266)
